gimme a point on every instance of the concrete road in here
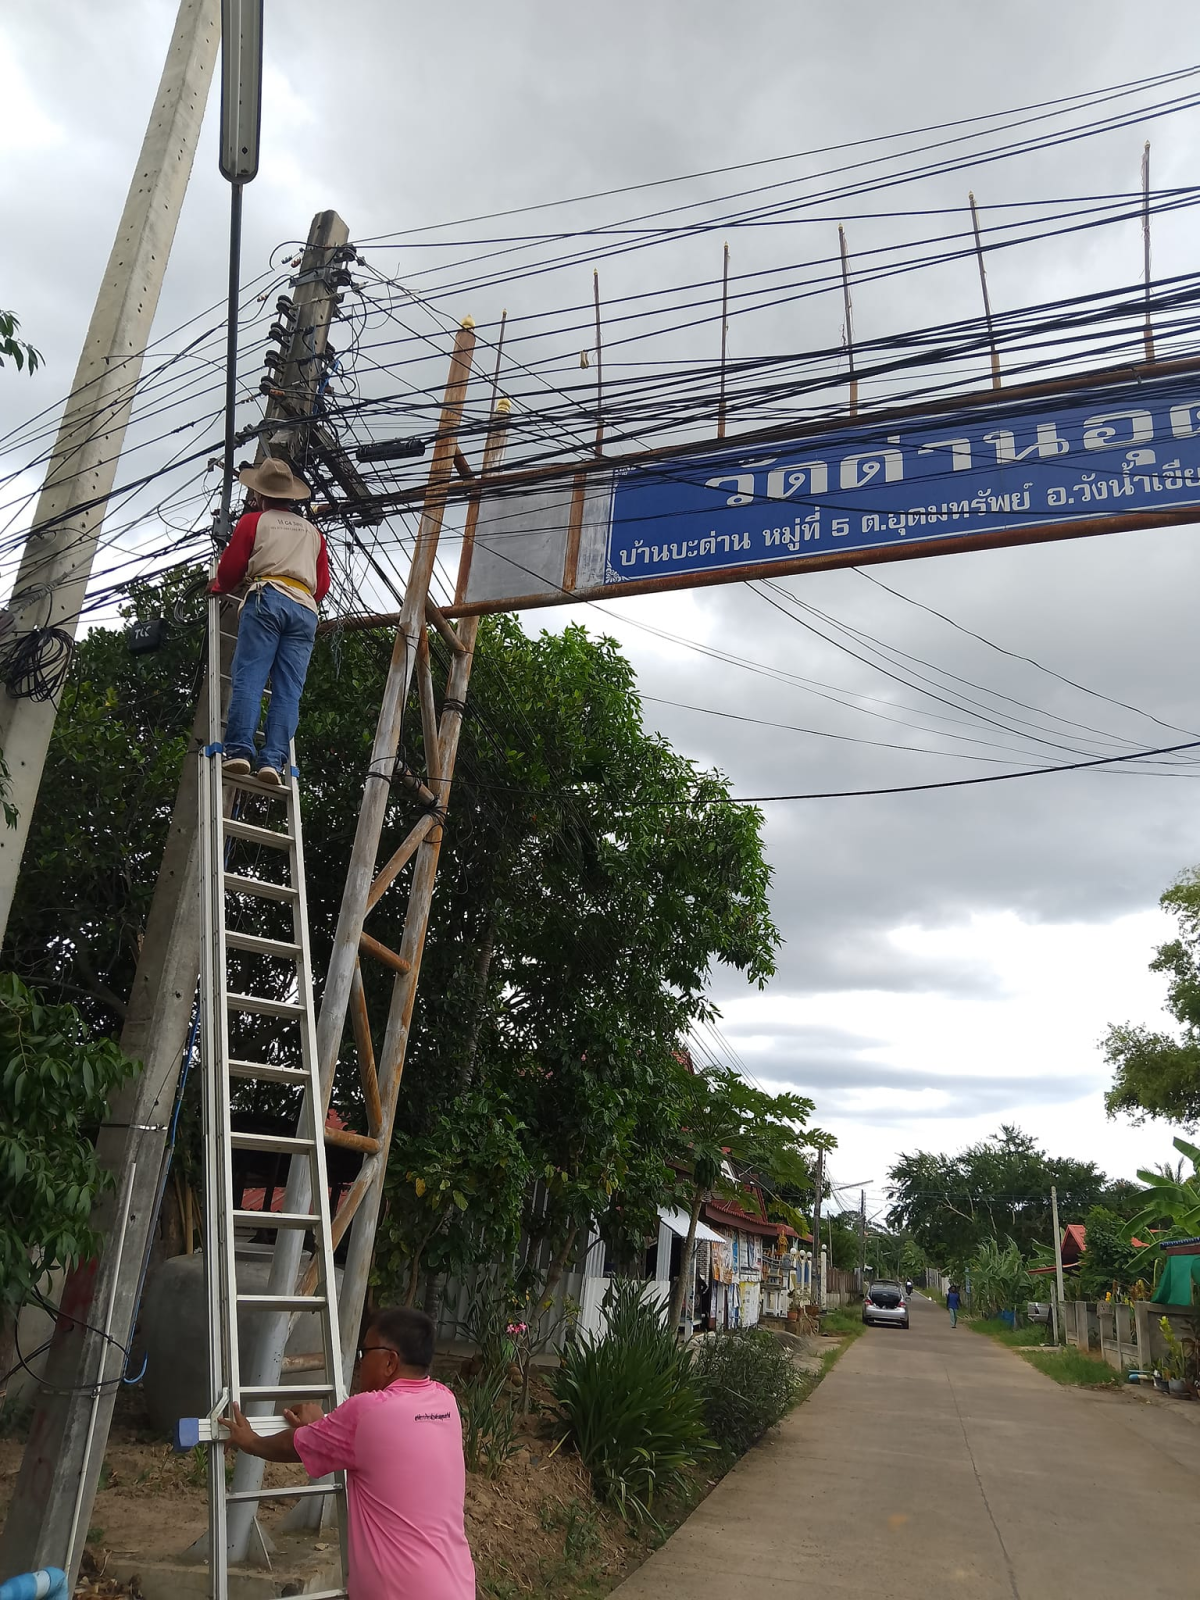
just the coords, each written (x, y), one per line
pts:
(936, 1463)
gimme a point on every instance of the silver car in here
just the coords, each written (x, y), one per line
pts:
(885, 1302)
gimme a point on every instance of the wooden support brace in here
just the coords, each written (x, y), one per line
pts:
(389, 873)
(429, 721)
(415, 787)
(366, 1051)
(347, 1139)
(372, 947)
(445, 627)
(462, 465)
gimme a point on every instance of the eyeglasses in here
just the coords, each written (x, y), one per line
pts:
(365, 1350)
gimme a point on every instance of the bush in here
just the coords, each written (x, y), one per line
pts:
(632, 1407)
(748, 1382)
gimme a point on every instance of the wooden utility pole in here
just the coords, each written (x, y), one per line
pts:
(67, 1437)
(49, 588)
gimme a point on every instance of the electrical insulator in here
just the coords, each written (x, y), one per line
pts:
(277, 331)
(284, 307)
(272, 359)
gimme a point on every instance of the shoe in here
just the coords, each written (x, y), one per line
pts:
(271, 776)
(234, 767)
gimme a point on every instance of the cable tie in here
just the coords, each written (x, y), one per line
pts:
(217, 749)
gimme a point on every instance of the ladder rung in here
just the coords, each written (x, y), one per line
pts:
(283, 1143)
(282, 1391)
(283, 1302)
(235, 828)
(260, 1002)
(247, 780)
(261, 947)
(275, 1219)
(269, 1073)
(286, 1493)
(259, 887)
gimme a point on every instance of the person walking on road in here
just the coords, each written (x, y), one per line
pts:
(281, 560)
(398, 1439)
(952, 1304)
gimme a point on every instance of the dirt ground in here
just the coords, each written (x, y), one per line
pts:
(534, 1528)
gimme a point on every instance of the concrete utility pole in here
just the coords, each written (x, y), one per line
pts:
(1058, 1272)
(65, 1448)
(818, 1273)
(57, 563)
(862, 1241)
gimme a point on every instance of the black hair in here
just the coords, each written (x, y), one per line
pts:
(408, 1332)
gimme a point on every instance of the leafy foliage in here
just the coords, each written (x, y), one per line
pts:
(999, 1279)
(632, 1408)
(1110, 1261)
(589, 880)
(55, 1082)
(726, 1122)
(1155, 1074)
(748, 1382)
(489, 1420)
(996, 1189)
(1170, 1201)
(16, 350)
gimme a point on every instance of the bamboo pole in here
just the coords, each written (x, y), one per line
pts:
(1146, 249)
(599, 366)
(849, 320)
(987, 304)
(724, 341)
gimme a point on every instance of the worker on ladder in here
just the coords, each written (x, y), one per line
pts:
(279, 558)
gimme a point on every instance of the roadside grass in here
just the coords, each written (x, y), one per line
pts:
(1034, 1333)
(1063, 1363)
(1072, 1366)
(842, 1320)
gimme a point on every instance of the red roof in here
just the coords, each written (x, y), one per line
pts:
(1074, 1242)
(736, 1216)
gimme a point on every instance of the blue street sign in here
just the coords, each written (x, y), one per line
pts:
(980, 471)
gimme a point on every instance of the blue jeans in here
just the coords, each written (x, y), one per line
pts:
(275, 640)
(953, 1310)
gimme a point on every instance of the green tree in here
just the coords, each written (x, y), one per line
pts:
(1157, 1074)
(590, 878)
(1109, 1261)
(996, 1189)
(14, 349)
(55, 1083)
(731, 1127)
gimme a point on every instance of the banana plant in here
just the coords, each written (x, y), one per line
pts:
(1171, 1198)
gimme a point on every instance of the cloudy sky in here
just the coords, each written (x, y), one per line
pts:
(951, 959)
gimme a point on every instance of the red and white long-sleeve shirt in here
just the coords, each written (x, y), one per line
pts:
(279, 548)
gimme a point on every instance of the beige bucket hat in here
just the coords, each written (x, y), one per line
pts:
(275, 480)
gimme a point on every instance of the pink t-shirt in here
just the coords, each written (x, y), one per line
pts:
(401, 1450)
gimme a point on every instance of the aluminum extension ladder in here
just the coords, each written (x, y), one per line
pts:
(256, 962)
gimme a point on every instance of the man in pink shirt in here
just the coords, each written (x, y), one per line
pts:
(399, 1441)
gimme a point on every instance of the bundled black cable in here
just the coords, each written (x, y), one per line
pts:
(34, 665)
